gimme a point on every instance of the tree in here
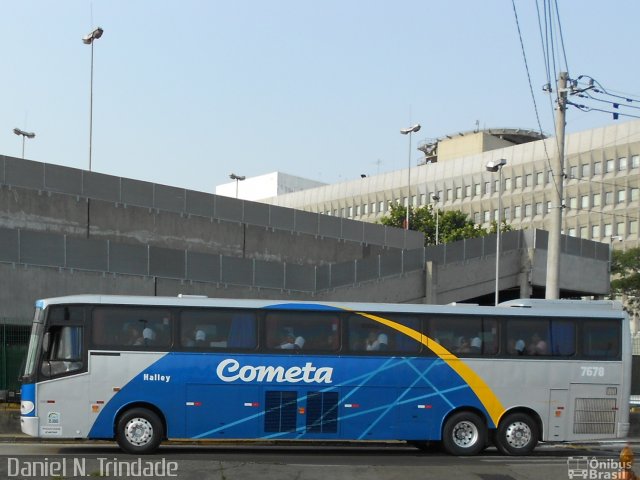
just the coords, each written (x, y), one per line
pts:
(452, 225)
(625, 268)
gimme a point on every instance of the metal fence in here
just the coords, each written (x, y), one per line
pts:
(66, 251)
(55, 178)
(14, 340)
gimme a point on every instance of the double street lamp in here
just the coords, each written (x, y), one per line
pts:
(496, 166)
(88, 40)
(24, 135)
(237, 178)
(409, 131)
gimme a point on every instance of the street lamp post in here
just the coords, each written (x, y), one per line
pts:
(88, 40)
(496, 166)
(436, 199)
(237, 178)
(24, 135)
(409, 131)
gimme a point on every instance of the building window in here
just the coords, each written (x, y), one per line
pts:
(608, 198)
(467, 190)
(572, 232)
(423, 199)
(414, 201)
(518, 182)
(442, 199)
(517, 211)
(549, 176)
(405, 201)
(584, 201)
(487, 216)
(357, 210)
(608, 230)
(528, 180)
(381, 207)
(633, 227)
(583, 232)
(633, 194)
(539, 178)
(487, 188)
(585, 170)
(635, 161)
(595, 232)
(620, 229)
(597, 168)
(539, 210)
(507, 213)
(477, 218)
(495, 215)
(611, 165)
(507, 184)
(350, 212)
(573, 203)
(458, 192)
(548, 207)
(596, 199)
(477, 189)
(527, 210)
(449, 194)
(573, 172)
(496, 186)
(622, 194)
(622, 164)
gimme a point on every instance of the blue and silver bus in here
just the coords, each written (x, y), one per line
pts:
(141, 370)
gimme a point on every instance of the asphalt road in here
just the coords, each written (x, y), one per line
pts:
(246, 461)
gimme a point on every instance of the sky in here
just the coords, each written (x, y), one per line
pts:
(187, 92)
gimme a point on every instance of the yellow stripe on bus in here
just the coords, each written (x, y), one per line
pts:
(489, 399)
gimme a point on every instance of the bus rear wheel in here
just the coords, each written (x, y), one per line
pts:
(517, 434)
(139, 431)
(464, 433)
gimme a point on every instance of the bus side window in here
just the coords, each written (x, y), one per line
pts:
(62, 350)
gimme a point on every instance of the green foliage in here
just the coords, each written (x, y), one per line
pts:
(452, 225)
(625, 266)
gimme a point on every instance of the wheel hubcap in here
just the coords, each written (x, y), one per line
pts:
(465, 434)
(138, 431)
(518, 434)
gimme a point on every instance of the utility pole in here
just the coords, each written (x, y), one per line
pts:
(553, 247)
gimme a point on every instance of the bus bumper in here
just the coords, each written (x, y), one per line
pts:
(29, 426)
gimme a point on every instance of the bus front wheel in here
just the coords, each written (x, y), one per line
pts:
(139, 431)
(517, 434)
(464, 433)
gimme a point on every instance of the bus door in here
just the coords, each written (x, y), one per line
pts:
(558, 415)
(62, 393)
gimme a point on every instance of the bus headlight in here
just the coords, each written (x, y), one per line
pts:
(26, 407)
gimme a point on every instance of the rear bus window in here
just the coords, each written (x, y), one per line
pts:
(601, 339)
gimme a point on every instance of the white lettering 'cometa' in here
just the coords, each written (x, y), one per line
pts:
(229, 370)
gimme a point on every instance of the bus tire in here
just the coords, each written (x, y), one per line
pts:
(517, 434)
(139, 431)
(464, 433)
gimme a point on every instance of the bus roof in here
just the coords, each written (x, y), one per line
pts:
(521, 307)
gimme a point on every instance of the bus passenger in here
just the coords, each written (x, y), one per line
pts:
(376, 341)
(537, 346)
(289, 341)
(463, 345)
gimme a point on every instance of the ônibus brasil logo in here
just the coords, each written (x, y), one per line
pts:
(230, 370)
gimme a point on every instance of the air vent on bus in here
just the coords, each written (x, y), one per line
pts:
(595, 415)
(280, 411)
(322, 412)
